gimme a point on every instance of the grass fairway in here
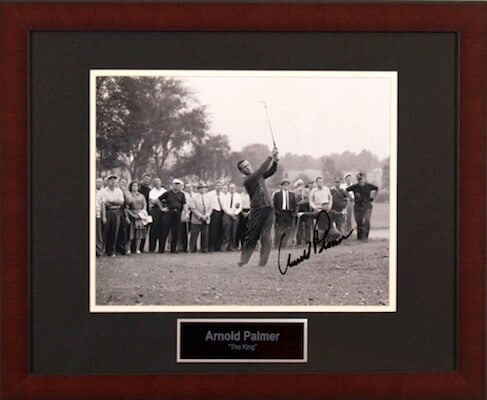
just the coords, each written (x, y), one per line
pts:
(353, 273)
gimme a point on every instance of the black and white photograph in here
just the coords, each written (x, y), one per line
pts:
(243, 191)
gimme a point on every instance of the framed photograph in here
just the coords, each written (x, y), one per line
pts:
(221, 201)
(214, 228)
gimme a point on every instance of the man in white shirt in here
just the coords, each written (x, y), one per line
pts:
(201, 210)
(320, 199)
(232, 207)
(156, 210)
(216, 197)
(113, 198)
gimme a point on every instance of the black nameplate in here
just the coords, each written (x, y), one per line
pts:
(242, 340)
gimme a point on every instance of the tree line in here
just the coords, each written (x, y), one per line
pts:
(156, 125)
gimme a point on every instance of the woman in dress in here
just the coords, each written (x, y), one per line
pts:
(136, 208)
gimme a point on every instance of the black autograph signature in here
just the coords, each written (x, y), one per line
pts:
(317, 244)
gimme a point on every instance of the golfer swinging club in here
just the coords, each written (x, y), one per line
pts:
(261, 215)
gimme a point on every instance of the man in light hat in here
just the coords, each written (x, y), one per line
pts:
(200, 218)
(364, 194)
(261, 210)
(285, 206)
(303, 225)
(113, 198)
(175, 203)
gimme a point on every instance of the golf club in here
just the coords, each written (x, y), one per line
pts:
(269, 122)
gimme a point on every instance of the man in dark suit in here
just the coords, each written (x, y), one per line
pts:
(285, 206)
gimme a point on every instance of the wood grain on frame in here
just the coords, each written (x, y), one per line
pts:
(468, 20)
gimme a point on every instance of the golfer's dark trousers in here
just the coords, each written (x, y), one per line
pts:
(172, 225)
(362, 215)
(110, 232)
(242, 228)
(155, 235)
(259, 226)
(196, 229)
(284, 222)
(216, 230)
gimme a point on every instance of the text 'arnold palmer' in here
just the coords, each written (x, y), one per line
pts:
(247, 336)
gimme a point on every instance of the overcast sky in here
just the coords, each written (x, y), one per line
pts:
(314, 116)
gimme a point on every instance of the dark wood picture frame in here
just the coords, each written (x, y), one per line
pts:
(468, 20)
